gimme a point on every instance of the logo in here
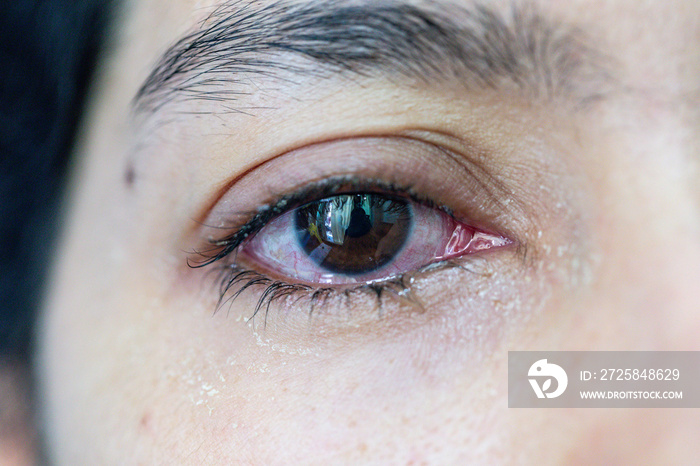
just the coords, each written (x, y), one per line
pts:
(541, 369)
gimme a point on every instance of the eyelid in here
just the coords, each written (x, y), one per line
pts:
(419, 170)
(431, 172)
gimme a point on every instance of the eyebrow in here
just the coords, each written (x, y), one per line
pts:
(474, 44)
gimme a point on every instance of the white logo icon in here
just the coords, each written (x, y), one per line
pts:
(542, 369)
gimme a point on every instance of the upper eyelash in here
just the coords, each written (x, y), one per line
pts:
(227, 245)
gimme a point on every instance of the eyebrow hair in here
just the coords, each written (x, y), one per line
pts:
(476, 45)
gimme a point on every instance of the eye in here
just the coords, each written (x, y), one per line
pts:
(359, 237)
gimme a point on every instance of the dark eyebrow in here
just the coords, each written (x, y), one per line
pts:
(476, 45)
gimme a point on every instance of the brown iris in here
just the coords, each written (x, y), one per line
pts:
(353, 233)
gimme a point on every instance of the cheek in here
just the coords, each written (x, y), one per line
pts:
(416, 387)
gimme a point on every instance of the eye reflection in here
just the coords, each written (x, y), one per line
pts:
(353, 234)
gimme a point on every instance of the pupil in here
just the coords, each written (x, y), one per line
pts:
(353, 233)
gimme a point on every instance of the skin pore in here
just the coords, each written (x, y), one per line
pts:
(580, 150)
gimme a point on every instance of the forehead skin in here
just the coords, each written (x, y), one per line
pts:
(135, 367)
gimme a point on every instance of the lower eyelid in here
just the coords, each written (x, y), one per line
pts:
(364, 303)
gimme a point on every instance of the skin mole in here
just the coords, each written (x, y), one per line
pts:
(129, 175)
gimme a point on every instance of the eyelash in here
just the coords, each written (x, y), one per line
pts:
(234, 279)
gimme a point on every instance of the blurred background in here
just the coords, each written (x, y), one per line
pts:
(48, 53)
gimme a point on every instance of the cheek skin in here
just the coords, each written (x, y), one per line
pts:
(149, 360)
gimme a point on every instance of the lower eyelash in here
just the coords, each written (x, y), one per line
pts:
(235, 280)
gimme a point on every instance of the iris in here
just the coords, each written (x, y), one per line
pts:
(353, 233)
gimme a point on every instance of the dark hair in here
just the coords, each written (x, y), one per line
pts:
(48, 50)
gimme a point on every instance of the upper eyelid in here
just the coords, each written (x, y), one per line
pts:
(430, 140)
(467, 187)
